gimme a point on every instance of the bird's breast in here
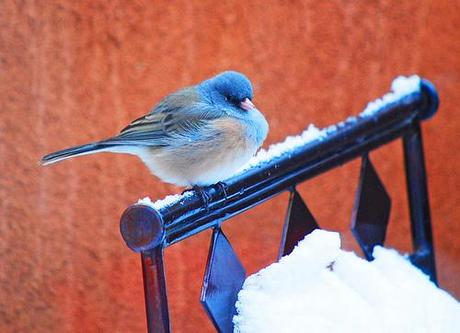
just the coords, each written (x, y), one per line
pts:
(256, 126)
(214, 155)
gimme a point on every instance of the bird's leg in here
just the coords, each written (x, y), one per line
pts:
(204, 196)
(201, 193)
(223, 187)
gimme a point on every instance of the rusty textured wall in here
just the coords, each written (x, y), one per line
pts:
(76, 71)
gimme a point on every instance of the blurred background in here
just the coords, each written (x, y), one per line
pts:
(78, 71)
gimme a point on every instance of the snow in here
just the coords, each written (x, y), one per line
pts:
(321, 288)
(400, 87)
(167, 201)
(289, 144)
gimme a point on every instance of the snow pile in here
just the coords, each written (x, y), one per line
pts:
(320, 288)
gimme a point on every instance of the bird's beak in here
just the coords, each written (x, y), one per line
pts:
(247, 105)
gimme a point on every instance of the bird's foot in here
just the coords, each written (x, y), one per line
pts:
(223, 188)
(201, 193)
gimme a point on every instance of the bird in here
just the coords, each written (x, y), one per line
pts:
(194, 137)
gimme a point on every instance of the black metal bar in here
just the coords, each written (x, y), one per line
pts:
(187, 217)
(417, 191)
(156, 303)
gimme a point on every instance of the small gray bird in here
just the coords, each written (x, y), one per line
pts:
(196, 136)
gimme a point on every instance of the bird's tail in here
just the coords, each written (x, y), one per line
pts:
(89, 148)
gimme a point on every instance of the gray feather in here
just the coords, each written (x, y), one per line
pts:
(179, 115)
(89, 148)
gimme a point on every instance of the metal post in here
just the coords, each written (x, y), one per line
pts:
(143, 231)
(156, 303)
(417, 190)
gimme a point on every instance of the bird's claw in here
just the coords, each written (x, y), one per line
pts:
(201, 193)
(223, 188)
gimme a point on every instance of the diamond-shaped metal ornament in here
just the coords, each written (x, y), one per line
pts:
(371, 211)
(299, 223)
(223, 279)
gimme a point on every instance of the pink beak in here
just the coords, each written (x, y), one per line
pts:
(247, 105)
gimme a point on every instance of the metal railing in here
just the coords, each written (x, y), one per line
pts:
(149, 231)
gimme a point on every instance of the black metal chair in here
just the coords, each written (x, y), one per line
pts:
(150, 231)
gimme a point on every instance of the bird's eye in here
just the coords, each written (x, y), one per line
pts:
(231, 100)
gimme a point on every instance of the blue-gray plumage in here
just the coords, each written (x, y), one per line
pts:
(199, 135)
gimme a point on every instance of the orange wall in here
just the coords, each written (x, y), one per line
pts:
(76, 71)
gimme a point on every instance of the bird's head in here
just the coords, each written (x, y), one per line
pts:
(231, 90)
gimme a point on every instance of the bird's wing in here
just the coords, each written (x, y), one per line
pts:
(179, 115)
